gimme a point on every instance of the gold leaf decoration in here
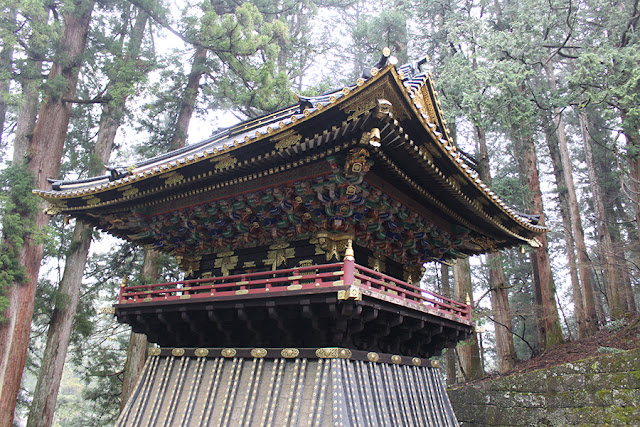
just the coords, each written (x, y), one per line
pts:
(416, 361)
(229, 352)
(259, 352)
(327, 353)
(171, 178)
(396, 359)
(290, 353)
(225, 162)
(344, 353)
(177, 352)
(373, 357)
(130, 192)
(93, 201)
(154, 351)
(287, 140)
(201, 352)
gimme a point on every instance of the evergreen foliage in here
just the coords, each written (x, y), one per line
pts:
(489, 62)
(17, 205)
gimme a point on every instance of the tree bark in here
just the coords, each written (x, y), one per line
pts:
(61, 325)
(188, 102)
(505, 348)
(568, 236)
(6, 57)
(584, 264)
(46, 392)
(548, 310)
(450, 355)
(136, 357)
(468, 351)
(43, 160)
(605, 243)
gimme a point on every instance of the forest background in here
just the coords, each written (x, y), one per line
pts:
(543, 96)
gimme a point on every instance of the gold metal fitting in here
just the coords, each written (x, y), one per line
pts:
(374, 137)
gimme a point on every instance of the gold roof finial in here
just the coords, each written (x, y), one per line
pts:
(468, 301)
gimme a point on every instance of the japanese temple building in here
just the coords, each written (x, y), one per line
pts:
(301, 235)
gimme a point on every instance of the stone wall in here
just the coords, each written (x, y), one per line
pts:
(603, 390)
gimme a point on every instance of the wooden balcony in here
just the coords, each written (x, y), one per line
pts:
(341, 304)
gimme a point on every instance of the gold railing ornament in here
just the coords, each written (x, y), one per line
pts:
(348, 253)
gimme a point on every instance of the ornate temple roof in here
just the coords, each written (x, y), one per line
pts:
(392, 112)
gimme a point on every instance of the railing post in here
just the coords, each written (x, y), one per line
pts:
(349, 266)
(122, 286)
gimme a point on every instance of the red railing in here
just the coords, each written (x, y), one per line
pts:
(345, 273)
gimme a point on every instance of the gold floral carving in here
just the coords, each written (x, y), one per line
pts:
(201, 352)
(327, 353)
(344, 353)
(376, 263)
(290, 353)
(171, 178)
(177, 352)
(225, 263)
(224, 162)
(278, 255)
(280, 245)
(334, 245)
(416, 361)
(229, 352)
(92, 200)
(426, 102)
(333, 353)
(358, 106)
(128, 190)
(413, 274)
(259, 352)
(131, 192)
(373, 357)
(154, 351)
(188, 265)
(54, 209)
(356, 162)
(396, 359)
(286, 140)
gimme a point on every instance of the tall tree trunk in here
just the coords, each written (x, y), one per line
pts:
(189, 97)
(27, 114)
(6, 57)
(468, 351)
(548, 310)
(605, 244)
(46, 392)
(136, 357)
(505, 348)
(61, 325)
(43, 161)
(450, 355)
(568, 236)
(584, 264)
